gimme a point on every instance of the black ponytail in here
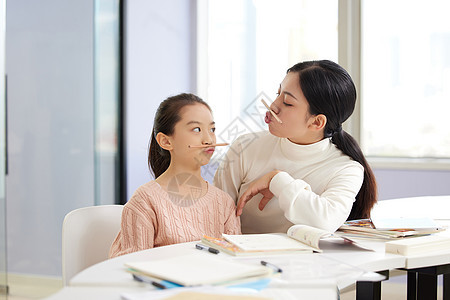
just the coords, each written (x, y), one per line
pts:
(158, 158)
(367, 195)
(167, 115)
(330, 91)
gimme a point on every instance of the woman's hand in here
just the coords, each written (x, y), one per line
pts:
(258, 186)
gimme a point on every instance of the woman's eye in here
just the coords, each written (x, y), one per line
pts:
(196, 129)
(213, 129)
(287, 104)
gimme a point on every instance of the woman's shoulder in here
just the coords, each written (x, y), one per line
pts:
(342, 162)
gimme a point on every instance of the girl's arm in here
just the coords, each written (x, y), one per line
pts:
(233, 222)
(137, 230)
(229, 174)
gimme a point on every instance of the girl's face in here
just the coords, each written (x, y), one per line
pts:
(195, 128)
(292, 108)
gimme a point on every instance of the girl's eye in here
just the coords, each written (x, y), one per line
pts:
(287, 104)
(213, 129)
(196, 129)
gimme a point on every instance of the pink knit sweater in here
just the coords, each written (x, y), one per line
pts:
(152, 218)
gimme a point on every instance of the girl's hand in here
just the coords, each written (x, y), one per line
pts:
(258, 186)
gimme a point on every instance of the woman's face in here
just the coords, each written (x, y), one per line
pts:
(196, 127)
(292, 108)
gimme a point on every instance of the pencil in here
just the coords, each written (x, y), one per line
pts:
(207, 146)
(271, 111)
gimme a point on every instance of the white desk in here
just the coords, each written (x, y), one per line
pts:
(88, 293)
(114, 293)
(112, 272)
(422, 269)
(436, 207)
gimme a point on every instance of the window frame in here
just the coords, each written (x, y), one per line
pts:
(349, 53)
(349, 57)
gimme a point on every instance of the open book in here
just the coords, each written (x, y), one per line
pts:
(299, 238)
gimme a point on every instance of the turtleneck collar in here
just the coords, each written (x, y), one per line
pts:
(309, 152)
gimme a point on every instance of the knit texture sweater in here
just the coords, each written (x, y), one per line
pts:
(153, 218)
(317, 187)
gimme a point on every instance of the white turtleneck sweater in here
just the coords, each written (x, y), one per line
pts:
(317, 186)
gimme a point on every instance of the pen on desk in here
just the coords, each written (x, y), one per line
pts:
(267, 264)
(154, 283)
(203, 247)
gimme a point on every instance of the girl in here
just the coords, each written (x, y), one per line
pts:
(313, 172)
(178, 206)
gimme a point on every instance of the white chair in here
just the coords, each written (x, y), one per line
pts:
(87, 235)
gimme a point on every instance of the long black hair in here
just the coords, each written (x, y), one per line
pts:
(166, 117)
(330, 91)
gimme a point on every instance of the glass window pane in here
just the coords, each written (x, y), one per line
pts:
(249, 46)
(405, 78)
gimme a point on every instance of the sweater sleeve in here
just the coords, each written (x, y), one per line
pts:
(328, 210)
(229, 174)
(232, 223)
(137, 229)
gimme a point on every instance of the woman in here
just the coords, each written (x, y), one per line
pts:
(307, 170)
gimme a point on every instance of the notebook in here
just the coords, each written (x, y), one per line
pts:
(422, 224)
(198, 269)
(419, 245)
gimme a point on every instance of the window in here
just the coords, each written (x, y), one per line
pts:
(403, 76)
(405, 82)
(244, 49)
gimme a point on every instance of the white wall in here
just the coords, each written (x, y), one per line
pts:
(160, 62)
(412, 183)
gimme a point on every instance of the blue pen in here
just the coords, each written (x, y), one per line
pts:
(154, 283)
(161, 284)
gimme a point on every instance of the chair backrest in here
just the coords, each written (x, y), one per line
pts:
(87, 235)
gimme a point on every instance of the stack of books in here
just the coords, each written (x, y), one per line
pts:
(392, 228)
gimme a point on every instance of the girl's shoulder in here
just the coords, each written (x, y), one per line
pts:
(219, 194)
(212, 189)
(149, 187)
(147, 193)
